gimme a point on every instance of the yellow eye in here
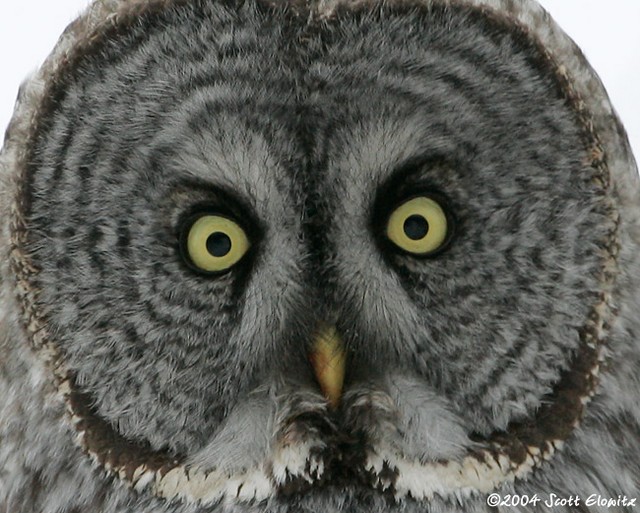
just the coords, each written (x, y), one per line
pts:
(418, 226)
(215, 243)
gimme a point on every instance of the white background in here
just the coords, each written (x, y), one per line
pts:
(608, 31)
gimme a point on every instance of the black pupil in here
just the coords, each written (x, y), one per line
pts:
(218, 244)
(415, 227)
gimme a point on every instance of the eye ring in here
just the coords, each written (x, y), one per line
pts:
(213, 243)
(420, 226)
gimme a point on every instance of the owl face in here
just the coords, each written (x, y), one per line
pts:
(216, 188)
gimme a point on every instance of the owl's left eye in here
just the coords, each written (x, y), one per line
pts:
(419, 226)
(214, 243)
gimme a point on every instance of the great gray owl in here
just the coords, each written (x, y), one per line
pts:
(333, 256)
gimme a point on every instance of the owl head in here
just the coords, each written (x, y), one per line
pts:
(316, 256)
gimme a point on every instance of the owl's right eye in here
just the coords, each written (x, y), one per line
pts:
(214, 243)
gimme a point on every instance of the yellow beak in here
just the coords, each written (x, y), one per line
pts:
(328, 360)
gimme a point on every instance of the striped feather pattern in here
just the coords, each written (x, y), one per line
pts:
(308, 124)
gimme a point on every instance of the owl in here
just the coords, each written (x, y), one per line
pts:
(324, 256)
